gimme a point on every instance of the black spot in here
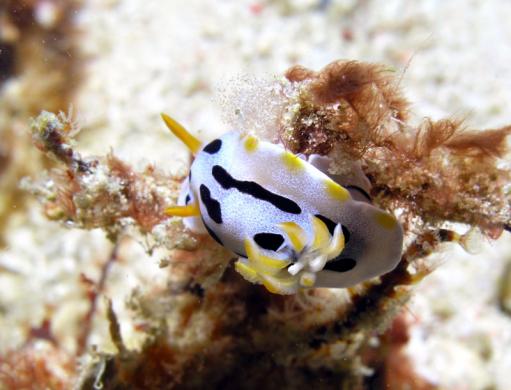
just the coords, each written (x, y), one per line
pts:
(328, 222)
(346, 233)
(212, 205)
(360, 190)
(213, 147)
(212, 233)
(257, 191)
(187, 199)
(190, 176)
(341, 265)
(331, 227)
(270, 241)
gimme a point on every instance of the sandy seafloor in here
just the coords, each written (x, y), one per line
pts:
(190, 58)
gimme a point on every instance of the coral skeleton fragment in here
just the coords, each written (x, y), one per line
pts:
(291, 224)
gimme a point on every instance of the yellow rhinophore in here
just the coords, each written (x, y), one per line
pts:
(190, 210)
(180, 132)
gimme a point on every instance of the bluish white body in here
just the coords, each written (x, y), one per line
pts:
(291, 224)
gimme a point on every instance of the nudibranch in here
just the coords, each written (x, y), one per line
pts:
(291, 224)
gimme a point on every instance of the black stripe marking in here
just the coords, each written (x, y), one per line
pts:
(212, 233)
(331, 227)
(270, 241)
(340, 265)
(187, 199)
(257, 191)
(212, 205)
(361, 190)
(213, 147)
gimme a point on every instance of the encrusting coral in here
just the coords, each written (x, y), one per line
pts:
(210, 327)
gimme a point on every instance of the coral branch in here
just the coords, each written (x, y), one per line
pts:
(97, 192)
(94, 290)
(115, 328)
